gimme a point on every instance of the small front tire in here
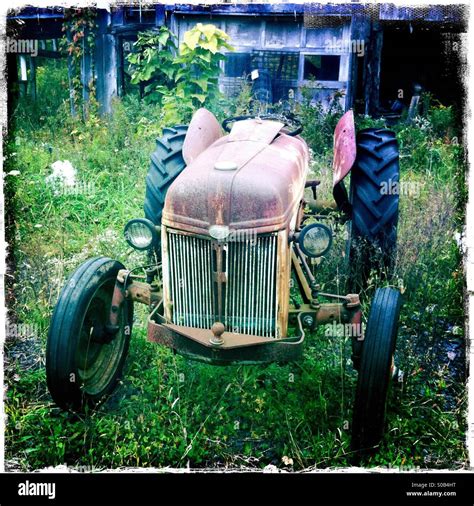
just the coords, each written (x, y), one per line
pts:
(375, 369)
(83, 361)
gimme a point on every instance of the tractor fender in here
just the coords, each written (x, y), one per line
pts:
(203, 131)
(344, 147)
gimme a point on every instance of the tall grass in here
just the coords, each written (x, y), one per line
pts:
(169, 411)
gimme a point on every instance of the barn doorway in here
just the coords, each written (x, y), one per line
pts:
(424, 55)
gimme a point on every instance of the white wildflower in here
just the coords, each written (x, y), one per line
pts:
(288, 461)
(64, 174)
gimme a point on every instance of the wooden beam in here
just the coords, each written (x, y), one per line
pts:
(32, 80)
(269, 9)
(457, 13)
(106, 63)
(359, 31)
(86, 74)
(70, 75)
(372, 67)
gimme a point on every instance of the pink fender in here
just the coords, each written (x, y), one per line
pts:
(344, 147)
(203, 131)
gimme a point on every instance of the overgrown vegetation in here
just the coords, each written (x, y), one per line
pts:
(79, 42)
(169, 411)
(182, 79)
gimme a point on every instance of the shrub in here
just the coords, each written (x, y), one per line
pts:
(152, 61)
(182, 82)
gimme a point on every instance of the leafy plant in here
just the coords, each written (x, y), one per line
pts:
(199, 56)
(152, 62)
(79, 41)
(183, 81)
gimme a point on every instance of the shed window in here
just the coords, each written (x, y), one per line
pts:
(277, 72)
(138, 15)
(238, 64)
(321, 67)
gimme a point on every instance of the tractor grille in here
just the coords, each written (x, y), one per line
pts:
(246, 299)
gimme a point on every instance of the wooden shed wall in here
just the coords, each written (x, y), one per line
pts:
(251, 35)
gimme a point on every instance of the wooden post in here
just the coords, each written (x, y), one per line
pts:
(23, 75)
(70, 75)
(106, 64)
(86, 75)
(372, 74)
(414, 108)
(360, 29)
(120, 65)
(32, 83)
(12, 81)
(160, 17)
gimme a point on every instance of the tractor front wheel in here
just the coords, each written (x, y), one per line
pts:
(376, 363)
(84, 357)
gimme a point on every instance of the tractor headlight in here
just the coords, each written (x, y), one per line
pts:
(315, 240)
(140, 233)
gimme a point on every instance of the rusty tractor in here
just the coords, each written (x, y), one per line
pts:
(227, 225)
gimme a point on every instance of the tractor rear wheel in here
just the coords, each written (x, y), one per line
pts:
(376, 363)
(374, 198)
(166, 164)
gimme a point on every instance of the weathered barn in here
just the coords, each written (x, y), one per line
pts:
(371, 56)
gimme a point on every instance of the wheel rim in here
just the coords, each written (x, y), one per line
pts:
(97, 362)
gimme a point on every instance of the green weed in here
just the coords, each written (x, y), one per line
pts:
(169, 411)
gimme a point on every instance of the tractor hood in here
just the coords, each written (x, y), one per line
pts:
(252, 179)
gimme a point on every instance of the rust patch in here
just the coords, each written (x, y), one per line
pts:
(237, 349)
(262, 194)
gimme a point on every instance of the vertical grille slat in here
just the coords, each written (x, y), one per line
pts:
(264, 285)
(175, 284)
(195, 286)
(259, 267)
(183, 281)
(209, 297)
(202, 284)
(249, 292)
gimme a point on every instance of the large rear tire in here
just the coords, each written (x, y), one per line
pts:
(376, 363)
(374, 198)
(83, 359)
(165, 166)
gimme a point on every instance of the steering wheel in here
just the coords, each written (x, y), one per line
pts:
(289, 120)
